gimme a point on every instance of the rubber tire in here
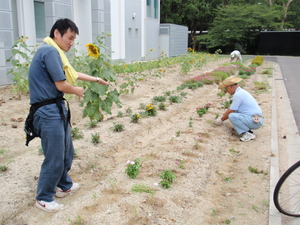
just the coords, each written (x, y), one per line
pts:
(277, 191)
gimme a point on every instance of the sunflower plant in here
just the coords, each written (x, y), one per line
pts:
(99, 98)
(150, 110)
(21, 57)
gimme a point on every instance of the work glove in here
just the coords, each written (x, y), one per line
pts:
(218, 121)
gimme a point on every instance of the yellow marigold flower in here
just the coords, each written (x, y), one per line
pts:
(151, 50)
(191, 61)
(22, 40)
(93, 50)
(138, 116)
(149, 108)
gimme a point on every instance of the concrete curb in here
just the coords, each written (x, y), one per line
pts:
(274, 215)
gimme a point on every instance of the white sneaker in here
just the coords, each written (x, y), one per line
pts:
(49, 206)
(247, 136)
(60, 193)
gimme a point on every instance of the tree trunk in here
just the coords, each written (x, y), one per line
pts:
(193, 37)
(285, 11)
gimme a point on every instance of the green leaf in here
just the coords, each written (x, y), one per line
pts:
(92, 109)
(106, 104)
(114, 95)
(99, 89)
(89, 95)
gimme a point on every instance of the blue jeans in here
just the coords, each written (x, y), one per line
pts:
(58, 151)
(243, 123)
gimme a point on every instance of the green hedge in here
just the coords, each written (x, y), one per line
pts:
(258, 60)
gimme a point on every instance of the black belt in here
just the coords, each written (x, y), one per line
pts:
(29, 129)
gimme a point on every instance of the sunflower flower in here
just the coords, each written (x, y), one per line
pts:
(93, 50)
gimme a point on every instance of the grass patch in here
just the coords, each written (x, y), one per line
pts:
(142, 188)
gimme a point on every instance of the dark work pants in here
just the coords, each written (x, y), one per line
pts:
(58, 151)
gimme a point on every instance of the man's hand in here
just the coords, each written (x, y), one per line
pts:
(100, 81)
(79, 91)
(218, 122)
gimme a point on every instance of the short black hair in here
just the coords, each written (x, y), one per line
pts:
(62, 25)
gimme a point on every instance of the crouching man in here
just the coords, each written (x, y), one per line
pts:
(235, 55)
(244, 113)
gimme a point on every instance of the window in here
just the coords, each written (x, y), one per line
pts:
(152, 8)
(39, 16)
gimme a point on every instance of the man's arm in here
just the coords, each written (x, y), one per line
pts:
(85, 77)
(226, 114)
(67, 88)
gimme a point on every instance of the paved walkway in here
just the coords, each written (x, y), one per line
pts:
(285, 106)
(290, 69)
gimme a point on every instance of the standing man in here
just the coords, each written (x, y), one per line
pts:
(50, 76)
(244, 113)
(235, 55)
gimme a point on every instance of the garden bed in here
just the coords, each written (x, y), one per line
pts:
(219, 180)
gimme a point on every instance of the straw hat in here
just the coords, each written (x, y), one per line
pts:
(229, 81)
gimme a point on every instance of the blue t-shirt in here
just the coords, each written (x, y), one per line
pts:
(45, 69)
(243, 102)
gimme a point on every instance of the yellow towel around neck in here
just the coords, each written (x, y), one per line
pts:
(71, 74)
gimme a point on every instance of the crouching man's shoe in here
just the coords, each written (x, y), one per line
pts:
(60, 193)
(247, 136)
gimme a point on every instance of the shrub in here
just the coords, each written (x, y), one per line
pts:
(159, 99)
(118, 127)
(230, 70)
(168, 177)
(175, 99)
(261, 85)
(258, 60)
(219, 76)
(162, 106)
(135, 118)
(95, 138)
(76, 133)
(150, 110)
(244, 76)
(133, 168)
(206, 78)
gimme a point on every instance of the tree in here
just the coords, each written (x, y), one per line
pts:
(293, 16)
(286, 6)
(170, 11)
(196, 14)
(238, 26)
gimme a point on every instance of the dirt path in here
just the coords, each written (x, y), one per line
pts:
(214, 187)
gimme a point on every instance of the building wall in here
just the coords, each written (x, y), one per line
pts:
(151, 31)
(173, 39)
(151, 39)
(101, 20)
(56, 9)
(118, 29)
(6, 39)
(17, 19)
(133, 30)
(83, 20)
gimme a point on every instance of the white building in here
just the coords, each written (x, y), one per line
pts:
(134, 26)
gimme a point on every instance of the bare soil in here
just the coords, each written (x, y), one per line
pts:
(215, 185)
